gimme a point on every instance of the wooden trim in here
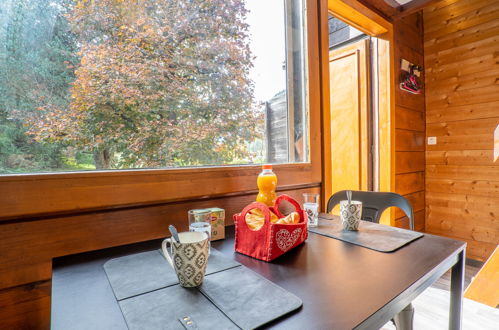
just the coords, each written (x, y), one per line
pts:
(325, 101)
(484, 287)
(359, 16)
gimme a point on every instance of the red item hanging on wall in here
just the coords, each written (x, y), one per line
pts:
(272, 239)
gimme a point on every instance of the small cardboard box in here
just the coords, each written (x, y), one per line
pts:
(217, 223)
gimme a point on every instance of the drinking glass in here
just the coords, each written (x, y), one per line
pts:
(311, 207)
(200, 221)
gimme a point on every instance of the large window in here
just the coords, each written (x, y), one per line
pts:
(115, 84)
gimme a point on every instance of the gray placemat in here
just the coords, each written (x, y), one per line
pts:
(162, 309)
(144, 272)
(248, 299)
(232, 296)
(371, 235)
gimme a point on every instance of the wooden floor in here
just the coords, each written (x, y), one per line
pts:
(432, 308)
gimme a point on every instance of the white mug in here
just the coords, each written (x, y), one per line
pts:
(188, 258)
(350, 214)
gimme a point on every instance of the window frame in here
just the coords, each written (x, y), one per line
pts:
(43, 194)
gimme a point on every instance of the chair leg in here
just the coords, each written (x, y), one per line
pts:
(404, 319)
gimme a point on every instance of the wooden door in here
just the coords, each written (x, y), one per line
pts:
(349, 91)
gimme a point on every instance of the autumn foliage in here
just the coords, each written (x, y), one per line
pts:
(157, 83)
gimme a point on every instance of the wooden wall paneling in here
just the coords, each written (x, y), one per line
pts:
(44, 239)
(487, 78)
(452, 9)
(478, 249)
(471, 111)
(410, 161)
(409, 119)
(417, 201)
(478, 187)
(409, 140)
(462, 98)
(447, 48)
(29, 303)
(409, 122)
(409, 183)
(458, 157)
(487, 13)
(474, 134)
(419, 218)
(482, 36)
(464, 172)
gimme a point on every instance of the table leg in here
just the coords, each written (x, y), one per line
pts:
(456, 293)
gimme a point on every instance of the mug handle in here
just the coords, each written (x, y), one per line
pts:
(165, 251)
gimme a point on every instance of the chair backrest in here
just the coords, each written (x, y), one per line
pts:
(374, 203)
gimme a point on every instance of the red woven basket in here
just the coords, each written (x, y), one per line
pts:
(271, 240)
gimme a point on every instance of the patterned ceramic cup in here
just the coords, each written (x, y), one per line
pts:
(350, 214)
(188, 258)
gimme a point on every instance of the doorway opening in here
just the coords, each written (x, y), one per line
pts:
(353, 108)
(364, 55)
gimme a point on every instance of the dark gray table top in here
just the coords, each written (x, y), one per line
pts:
(342, 285)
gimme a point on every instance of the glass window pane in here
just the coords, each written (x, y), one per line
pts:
(109, 84)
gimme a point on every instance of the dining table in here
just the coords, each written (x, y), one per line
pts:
(341, 285)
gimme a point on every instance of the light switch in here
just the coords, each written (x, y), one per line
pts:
(432, 140)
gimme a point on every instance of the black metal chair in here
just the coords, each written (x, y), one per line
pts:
(373, 205)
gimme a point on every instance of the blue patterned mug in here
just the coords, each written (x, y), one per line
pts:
(350, 214)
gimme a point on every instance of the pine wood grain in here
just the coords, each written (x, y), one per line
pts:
(457, 172)
(410, 161)
(409, 183)
(467, 128)
(464, 97)
(409, 140)
(408, 36)
(458, 186)
(462, 231)
(481, 250)
(463, 67)
(26, 306)
(419, 218)
(417, 200)
(409, 119)
(477, 80)
(485, 14)
(476, 134)
(460, 157)
(450, 10)
(470, 112)
(409, 122)
(475, 34)
(461, 53)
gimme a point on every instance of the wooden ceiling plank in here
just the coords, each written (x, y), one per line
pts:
(414, 6)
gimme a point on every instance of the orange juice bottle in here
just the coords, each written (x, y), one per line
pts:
(267, 183)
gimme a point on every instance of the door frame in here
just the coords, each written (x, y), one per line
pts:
(369, 22)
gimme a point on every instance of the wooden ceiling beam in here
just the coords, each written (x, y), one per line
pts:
(412, 7)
